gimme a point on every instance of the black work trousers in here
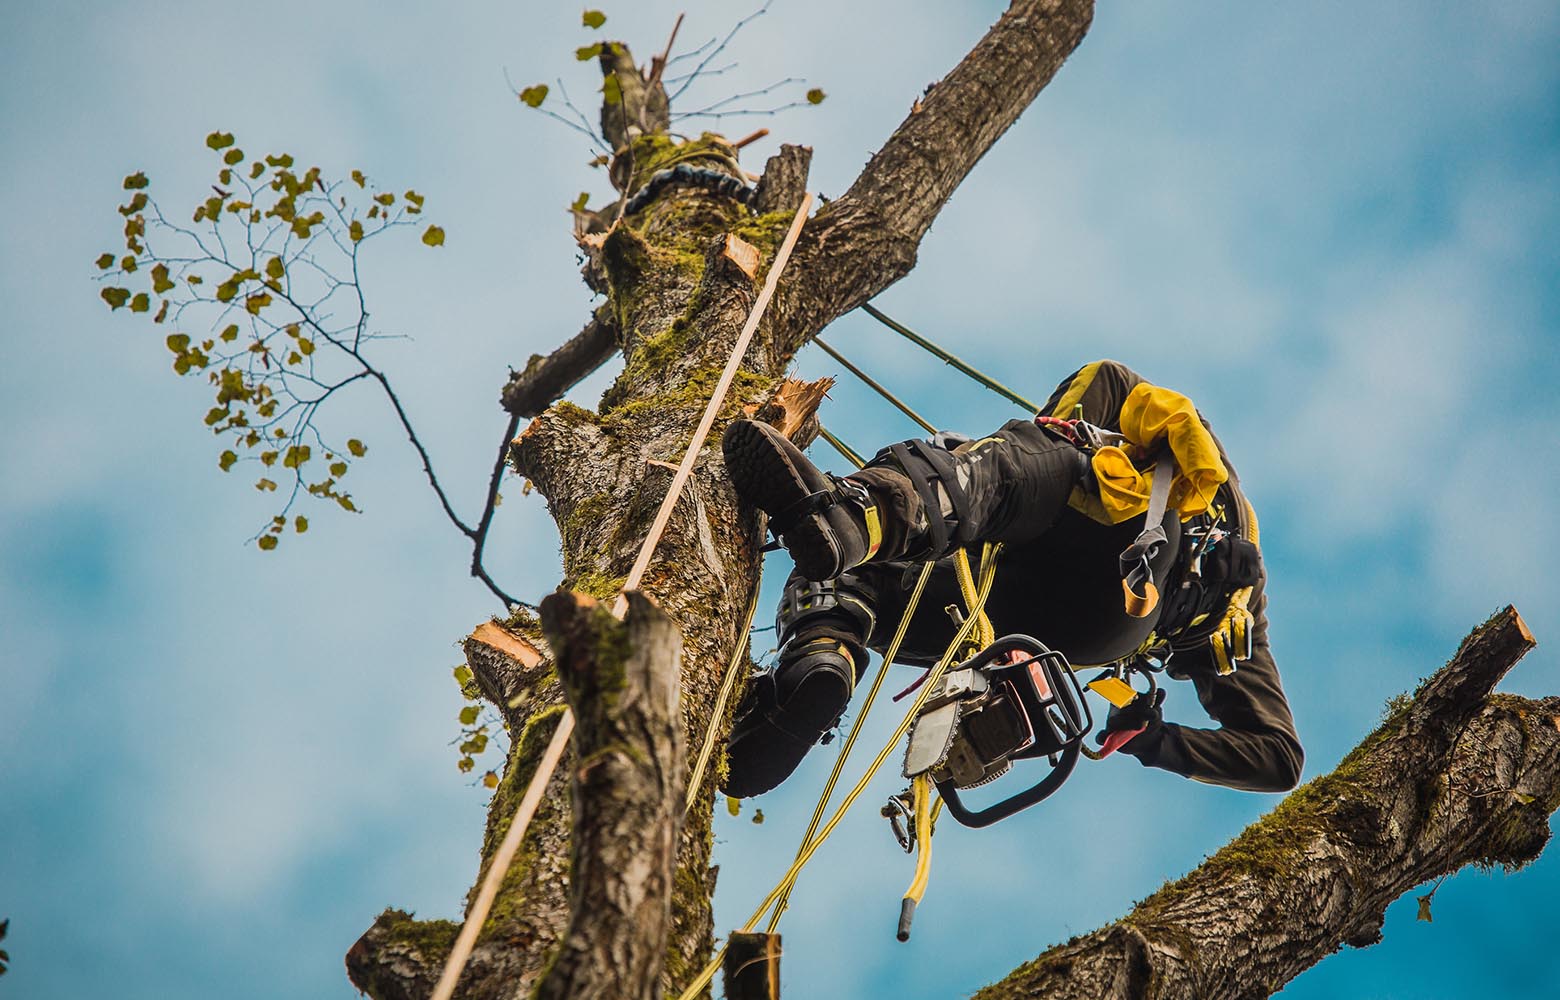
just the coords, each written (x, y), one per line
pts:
(1057, 577)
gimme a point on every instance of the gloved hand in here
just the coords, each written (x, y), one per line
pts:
(1142, 713)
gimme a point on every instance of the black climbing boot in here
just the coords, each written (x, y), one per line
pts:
(827, 524)
(786, 712)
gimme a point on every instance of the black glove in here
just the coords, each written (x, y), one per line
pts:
(1142, 712)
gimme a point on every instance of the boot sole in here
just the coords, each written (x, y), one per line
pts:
(759, 462)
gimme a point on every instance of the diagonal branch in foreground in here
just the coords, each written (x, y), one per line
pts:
(1457, 776)
(867, 239)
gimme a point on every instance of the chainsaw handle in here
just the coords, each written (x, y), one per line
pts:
(1017, 803)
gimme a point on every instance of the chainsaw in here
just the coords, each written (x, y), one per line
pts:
(1015, 700)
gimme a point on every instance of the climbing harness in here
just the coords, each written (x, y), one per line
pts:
(1013, 699)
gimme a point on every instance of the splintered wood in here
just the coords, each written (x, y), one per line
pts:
(793, 407)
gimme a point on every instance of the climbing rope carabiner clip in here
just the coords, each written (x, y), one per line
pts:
(900, 812)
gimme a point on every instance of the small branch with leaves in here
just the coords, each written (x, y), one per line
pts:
(262, 292)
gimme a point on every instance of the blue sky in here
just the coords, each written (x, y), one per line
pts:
(1330, 224)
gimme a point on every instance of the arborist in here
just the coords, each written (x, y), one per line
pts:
(1071, 494)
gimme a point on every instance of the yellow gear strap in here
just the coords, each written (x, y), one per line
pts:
(1231, 641)
(921, 786)
(874, 532)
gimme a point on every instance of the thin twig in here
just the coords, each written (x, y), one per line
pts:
(744, 112)
(568, 102)
(488, 507)
(672, 81)
(658, 63)
(692, 53)
(719, 48)
(713, 110)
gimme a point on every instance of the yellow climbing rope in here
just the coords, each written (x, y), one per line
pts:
(733, 667)
(921, 797)
(988, 572)
(855, 730)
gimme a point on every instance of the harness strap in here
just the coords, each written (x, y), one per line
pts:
(813, 503)
(925, 463)
(936, 526)
(1137, 575)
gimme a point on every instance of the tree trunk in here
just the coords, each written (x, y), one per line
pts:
(621, 679)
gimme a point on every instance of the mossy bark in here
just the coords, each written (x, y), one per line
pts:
(1456, 776)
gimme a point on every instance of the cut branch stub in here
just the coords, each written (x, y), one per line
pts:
(793, 408)
(547, 378)
(741, 253)
(511, 670)
(622, 680)
(784, 181)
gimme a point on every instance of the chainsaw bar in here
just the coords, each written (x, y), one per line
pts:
(931, 737)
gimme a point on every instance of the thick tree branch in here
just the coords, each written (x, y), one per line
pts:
(1459, 776)
(547, 378)
(622, 680)
(867, 240)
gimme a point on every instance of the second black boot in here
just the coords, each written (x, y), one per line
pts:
(786, 712)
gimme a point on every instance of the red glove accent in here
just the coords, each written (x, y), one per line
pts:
(1116, 740)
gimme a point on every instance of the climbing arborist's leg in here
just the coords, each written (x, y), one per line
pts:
(915, 500)
(822, 629)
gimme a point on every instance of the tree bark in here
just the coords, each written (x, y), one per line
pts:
(1458, 776)
(621, 680)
